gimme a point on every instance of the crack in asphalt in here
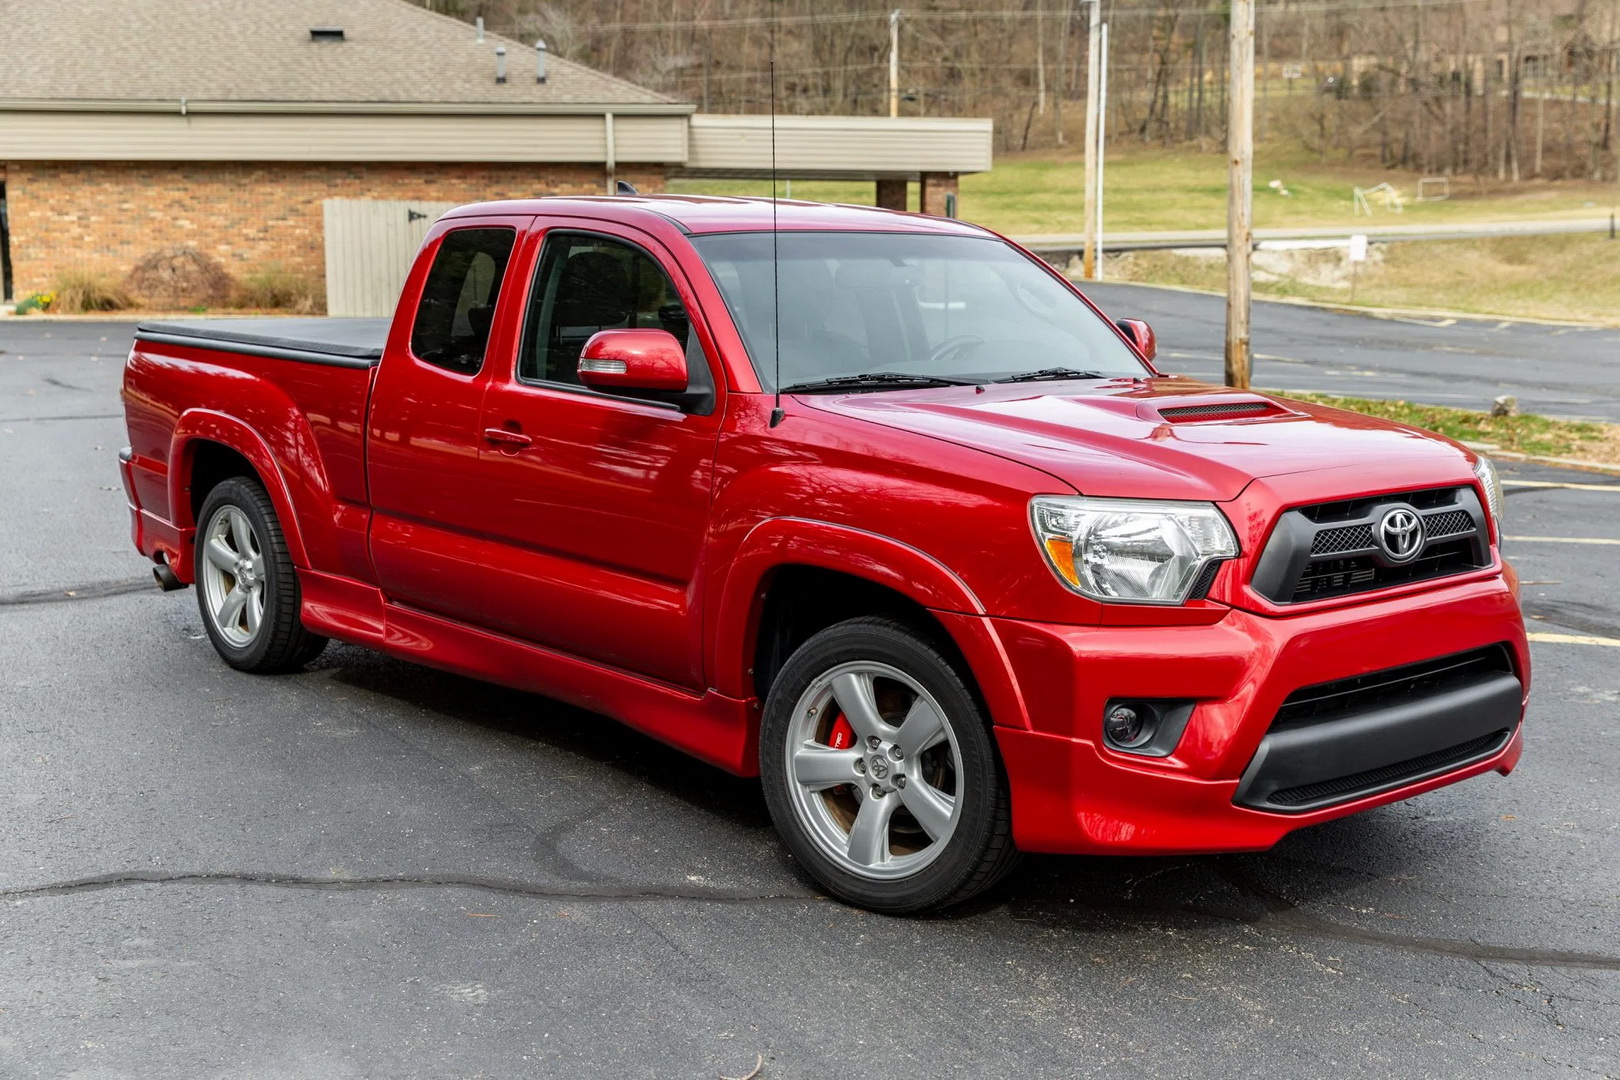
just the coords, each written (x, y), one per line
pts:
(1280, 913)
(369, 884)
(1298, 919)
(1573, 615)
(74, 416)
(95, 590)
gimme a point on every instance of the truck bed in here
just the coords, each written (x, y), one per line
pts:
(340, 342)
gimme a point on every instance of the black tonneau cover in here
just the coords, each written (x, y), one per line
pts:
(341, 342)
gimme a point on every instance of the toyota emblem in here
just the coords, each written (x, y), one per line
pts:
(1400, 534)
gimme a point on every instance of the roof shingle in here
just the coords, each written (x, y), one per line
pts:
(257, 51)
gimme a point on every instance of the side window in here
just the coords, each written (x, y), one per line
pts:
(590, 283)
(458, 300)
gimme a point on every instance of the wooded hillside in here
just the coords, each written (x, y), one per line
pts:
(1497, 88)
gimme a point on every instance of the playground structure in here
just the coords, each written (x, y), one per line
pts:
(1434, 189)
(1385, 194)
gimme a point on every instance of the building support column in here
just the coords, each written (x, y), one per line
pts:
(939, 194)
(891, 194)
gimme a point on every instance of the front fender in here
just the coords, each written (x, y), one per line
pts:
(790, 541)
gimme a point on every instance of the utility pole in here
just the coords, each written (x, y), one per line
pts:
(1040, 57)
(1093, 46)
(1102, 141)
(1239, 192)
(1062, 70)
(894, 62)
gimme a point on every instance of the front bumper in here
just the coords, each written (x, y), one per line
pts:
(1072, 793)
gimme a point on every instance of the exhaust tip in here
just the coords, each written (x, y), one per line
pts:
(165, 578)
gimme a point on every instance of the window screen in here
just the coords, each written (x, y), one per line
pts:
(591, 283)
(458, 300)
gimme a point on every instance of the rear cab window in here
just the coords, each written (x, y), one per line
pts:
(457, 307)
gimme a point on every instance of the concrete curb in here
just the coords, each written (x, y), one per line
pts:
(142, 316)
(1562, 463)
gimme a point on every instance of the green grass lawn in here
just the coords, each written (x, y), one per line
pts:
(1149, 189)
(1526, 434)
(1544, 277)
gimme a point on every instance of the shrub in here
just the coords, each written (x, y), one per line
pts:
(276, 287)
(180, 278)
(40, 301)
(79, 291)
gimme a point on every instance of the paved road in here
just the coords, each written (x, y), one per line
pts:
(1568, 371)
(371, 869)
(1384, 230)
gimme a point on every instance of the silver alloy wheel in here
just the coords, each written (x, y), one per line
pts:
(886, 806)
(233, 576)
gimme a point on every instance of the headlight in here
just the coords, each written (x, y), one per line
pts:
(1130, 550)
(1493, 490)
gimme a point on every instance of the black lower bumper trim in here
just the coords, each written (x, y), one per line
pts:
(1381, 748)
(1403, 772)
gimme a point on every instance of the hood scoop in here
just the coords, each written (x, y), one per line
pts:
(1249, 409)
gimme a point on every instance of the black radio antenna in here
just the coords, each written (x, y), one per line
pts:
(776, 283)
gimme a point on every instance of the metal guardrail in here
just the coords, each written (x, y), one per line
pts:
(1050, 247)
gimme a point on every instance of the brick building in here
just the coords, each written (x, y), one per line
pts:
(129, 126)
(223, 125)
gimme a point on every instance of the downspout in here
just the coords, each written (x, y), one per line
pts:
(612, 159)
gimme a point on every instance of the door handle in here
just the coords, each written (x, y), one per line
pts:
(506, 437)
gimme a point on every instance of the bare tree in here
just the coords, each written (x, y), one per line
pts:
(1483, 87)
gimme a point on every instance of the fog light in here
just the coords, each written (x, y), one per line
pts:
(1145, 727)
(1127, 725)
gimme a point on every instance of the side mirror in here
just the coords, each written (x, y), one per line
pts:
(1141, 335)
(633, 360)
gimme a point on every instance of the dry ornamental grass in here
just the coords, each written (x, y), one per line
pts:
(81, 291)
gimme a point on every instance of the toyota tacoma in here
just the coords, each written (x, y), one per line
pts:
(876, 506)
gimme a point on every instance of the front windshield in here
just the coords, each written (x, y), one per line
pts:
(956, 307)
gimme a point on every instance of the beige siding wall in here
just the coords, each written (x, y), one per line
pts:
(134, 136)
(851, 145)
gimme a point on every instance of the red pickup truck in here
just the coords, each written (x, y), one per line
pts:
(876, 506)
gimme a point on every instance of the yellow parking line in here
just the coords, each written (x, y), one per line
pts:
(1562, 540)
(1559, 484)
(1575, 639)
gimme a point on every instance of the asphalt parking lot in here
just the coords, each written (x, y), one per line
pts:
(1556, 370)
(373, 869)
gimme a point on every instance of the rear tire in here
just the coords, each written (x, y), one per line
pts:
(247, 587)
(881, 773)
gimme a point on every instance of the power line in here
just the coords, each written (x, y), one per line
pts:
(1304, 7)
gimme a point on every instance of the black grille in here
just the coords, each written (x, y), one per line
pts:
(1350, 509)
(1450, 523)
(1326, 702)
(1348, 538)
(1391, 775)
(1343, 576)
(1332, 549)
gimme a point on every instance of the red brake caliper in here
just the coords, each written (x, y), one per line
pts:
(842, 736)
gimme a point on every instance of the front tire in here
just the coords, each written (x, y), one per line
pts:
(247, 588)
(880, 771)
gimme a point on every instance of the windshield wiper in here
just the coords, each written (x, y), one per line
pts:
(878, 380)
(1055, 373)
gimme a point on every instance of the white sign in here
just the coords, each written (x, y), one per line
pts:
(1358, 247)
(1293, 71)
